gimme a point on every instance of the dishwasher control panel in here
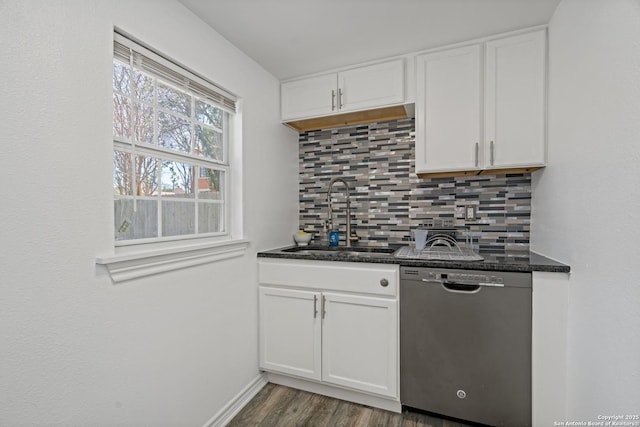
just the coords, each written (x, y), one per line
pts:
(470, 279)
(465, 277)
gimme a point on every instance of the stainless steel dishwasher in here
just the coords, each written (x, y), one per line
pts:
(465, 344)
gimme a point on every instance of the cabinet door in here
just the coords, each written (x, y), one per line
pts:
(290, 332)
(515, 102)
(448, 110)
(372, 86)
(310, 97)
(360, 342)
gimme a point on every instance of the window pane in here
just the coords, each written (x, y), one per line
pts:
(143, 87)
(144, 124)
(209, 143)
(121, 116)
(122, 179)
(143, 223)
(210, 217)
(210, 184)
(172, 194)
(174, 100)
(174, 132)
(178, 217)
(121, 78)
(177, 180)
(208, 114)
(147, 169)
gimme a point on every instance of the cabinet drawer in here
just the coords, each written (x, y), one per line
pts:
(332, 276)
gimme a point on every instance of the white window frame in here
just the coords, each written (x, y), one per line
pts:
(143, 257)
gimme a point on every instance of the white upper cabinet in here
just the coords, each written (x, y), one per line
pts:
(479, 112)
(357, 89)
(313, 96)
(515, 101)
(372, 86)
(448, 110)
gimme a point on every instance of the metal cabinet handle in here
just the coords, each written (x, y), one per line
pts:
(491, 147)
(333, 99)
(384, 283)
(324, 306)
(339, 98)
(477, 148)
(315, 306)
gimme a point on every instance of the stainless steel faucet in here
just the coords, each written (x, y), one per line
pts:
(349, 238)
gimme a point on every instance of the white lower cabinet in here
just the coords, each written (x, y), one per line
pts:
(290, 332)
(345, 339)
(358, 337)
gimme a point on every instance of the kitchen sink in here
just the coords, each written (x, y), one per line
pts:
(340, 251)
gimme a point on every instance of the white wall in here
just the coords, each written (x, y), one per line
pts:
(586, 203)
(76, 350)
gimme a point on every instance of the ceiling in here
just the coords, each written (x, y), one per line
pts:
(290, 38)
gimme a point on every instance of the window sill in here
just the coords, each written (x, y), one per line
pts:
(131, 266)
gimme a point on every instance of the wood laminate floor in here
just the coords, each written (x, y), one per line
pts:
(279, 406)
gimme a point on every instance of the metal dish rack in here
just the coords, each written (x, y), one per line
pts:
(441, 245)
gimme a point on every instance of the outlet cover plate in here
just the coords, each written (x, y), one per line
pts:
(470, 213)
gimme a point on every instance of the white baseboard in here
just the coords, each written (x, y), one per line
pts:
(226, 414)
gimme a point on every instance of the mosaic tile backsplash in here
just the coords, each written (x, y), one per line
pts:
(388, 199)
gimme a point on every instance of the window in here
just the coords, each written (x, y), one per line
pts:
(171, 133)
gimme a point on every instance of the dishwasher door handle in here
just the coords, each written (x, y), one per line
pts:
(481, 284)
(492, 285)
(469, 287)
(460, 287)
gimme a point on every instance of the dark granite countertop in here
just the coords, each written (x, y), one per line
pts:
(515, 261)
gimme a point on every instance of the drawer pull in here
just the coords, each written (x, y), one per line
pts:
(384, 283)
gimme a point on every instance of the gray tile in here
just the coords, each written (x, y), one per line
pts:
(388, 198)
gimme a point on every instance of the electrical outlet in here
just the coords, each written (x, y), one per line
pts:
(470, 213)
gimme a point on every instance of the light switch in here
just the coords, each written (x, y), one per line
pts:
(470, 212)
